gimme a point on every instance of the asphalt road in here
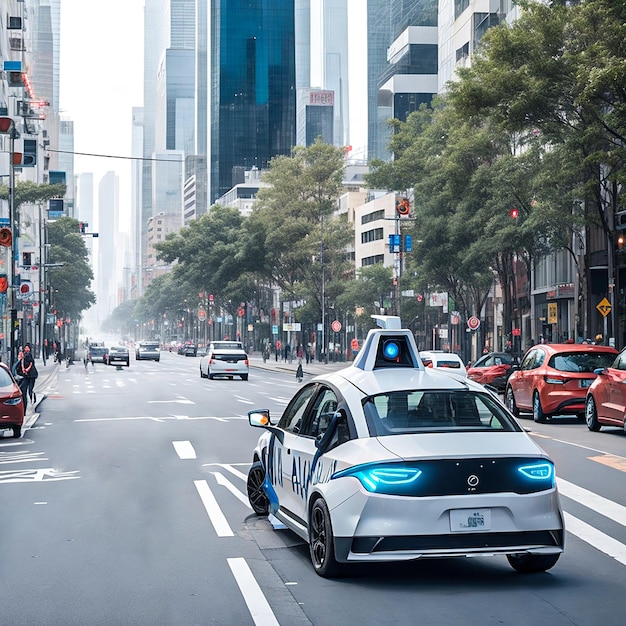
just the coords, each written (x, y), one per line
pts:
(124, 503)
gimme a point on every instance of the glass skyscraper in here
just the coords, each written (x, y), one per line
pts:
(402, 64)
(252, 88)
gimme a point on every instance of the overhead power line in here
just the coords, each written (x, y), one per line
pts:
(113, 156)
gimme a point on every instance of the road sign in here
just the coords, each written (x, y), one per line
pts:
(473, 323)
(201, 314)
(336, 326)
(553, 316)
(604, 306)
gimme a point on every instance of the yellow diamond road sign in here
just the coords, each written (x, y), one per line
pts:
(604, 306)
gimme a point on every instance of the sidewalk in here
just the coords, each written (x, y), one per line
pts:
(48, 374)
(310, 369)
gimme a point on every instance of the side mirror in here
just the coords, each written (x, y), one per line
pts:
(259, 418)
(599, 371)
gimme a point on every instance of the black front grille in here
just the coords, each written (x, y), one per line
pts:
(451, 477)
(457, 541)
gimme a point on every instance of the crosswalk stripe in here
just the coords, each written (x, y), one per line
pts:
(593, 501)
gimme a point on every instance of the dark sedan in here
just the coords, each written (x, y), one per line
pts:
(118, 355)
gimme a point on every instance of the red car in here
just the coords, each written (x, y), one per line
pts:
(553, 379)
(606, 397)
(493, 369)
(11, 404)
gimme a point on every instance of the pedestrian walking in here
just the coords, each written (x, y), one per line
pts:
(299, 372)
(30, 372)
(20, 379)
(279, 345)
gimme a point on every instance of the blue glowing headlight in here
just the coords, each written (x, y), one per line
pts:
(392, 478)
(537, 471)
(13, 401)
(391, 350)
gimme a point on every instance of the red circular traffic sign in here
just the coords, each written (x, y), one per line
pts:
(336, 326)
(473, 323)
(201, 314)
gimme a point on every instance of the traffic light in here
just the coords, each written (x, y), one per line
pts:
(514, 213)
(620, 242)
(29, 156)
(82, 227)
(403, 206)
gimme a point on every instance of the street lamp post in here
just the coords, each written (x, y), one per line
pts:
(7, 126)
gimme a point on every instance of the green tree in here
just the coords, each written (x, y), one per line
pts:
(298, 243)
(69, 281)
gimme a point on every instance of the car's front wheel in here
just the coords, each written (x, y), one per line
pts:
(256, 494)
(591, 415)
(321, 541)
(532, 563)
(538, 414)
(510, 402)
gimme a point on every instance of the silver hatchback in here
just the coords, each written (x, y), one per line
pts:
(223, 359)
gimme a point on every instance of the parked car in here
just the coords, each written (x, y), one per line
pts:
(119, 355)
(98, 354)
(553, 379)
(606, 397)
(148, 350)
(443, 360)
(390, 460)
(493, 369)
(11, 403)
(225, 358)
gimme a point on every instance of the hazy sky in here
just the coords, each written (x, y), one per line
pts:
(102, 79)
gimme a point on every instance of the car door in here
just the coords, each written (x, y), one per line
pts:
(613, 403)
(303, 450)
(291, 423)
(524, 380)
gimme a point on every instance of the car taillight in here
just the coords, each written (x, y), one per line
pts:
(554, 381)
(211, 361)
(246, 362)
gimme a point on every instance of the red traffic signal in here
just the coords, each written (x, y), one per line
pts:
(514, 213)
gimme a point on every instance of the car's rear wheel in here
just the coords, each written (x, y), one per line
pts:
(591, 415)
(510, 402)
(532, 563)
(538, 414)
(256, 494)
(321, 541)
(17, 431)
(244, 377)
(209, 375)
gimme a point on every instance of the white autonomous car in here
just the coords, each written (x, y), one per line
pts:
(387, 460)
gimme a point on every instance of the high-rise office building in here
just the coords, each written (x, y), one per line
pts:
(251, 86)
(402, 64)
(168, 111)
(315, 116)
(333, 51)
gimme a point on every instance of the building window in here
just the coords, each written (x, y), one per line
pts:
(373, 217)
(372, 260)
(372, 235)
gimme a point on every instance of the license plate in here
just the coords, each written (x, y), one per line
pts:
(470, 520)
(586, 382)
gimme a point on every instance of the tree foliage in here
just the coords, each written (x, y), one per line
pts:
(69, 281)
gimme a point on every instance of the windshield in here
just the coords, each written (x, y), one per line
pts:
(585, 362)
(400, 412)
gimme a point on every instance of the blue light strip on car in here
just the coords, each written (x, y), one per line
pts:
(383, 478)
(537, 471)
